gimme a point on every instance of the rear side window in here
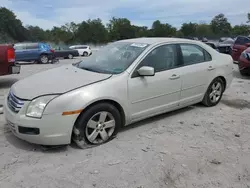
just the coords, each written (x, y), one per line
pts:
(82, 47)
(193, 54)
(19, 47)
(32, 46)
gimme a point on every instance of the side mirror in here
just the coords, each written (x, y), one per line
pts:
(146, 71)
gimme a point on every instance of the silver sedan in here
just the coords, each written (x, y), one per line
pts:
(124, 82)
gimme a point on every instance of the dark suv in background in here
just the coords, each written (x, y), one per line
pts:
(241, 43)
(39, 52)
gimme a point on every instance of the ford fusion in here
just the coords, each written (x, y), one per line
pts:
(124, 82)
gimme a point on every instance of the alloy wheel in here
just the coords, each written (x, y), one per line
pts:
(216, 92)
(100, 127)
(44, 59)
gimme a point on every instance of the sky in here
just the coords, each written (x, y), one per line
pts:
(49, 13)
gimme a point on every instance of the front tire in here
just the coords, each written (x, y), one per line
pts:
(214, 93)
(97, 125)
(85, 54)
(44, 59)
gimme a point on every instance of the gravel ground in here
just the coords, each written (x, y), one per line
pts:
(193, 147)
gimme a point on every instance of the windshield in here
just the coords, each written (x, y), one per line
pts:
(114, 58)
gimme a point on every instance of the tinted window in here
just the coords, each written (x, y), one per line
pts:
(240, 40)
(161, 58)
(82, 47)
(246, 40)
(19, 47)
(193, 54)
(31, 46)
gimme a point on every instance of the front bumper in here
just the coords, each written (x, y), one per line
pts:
(52, 129)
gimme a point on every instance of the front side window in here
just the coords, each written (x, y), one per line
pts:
(193, 54)
(113, 58)
(161, 58)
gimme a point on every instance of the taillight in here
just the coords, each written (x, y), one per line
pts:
(53, 51)
(11, 55)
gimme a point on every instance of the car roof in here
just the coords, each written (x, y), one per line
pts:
(155, 40)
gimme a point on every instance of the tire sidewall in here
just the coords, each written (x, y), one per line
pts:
(85, 117)
(207, 98)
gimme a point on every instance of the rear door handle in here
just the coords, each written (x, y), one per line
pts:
(174, 76)
(210, 68)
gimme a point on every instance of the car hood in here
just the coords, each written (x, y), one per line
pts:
(55, 81)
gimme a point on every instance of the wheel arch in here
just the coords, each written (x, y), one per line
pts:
(110, 101)
(224, 81)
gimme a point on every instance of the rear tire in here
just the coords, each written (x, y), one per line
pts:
(214, 93)
(44, 59)
(70, 56)
(97, 125)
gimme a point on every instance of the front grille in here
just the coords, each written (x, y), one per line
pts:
(14, 103)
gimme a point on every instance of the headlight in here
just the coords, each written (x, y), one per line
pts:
(37, 106)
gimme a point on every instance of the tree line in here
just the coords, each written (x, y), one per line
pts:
(95, 32)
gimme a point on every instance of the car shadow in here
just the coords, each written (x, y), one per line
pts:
(236, 74)
(7, 82)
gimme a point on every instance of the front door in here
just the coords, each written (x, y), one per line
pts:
(151, 95)
(197, 71)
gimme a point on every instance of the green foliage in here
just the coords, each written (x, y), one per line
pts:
(220, 25)
(94, 31)
(241, 30)
(189, 29)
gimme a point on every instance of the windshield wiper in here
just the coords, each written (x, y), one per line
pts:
(90, 69)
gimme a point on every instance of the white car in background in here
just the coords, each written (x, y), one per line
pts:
(83, 50)
(124, 82)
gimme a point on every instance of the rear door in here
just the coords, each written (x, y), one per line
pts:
(197, 71)
(32, 51)
(20, 51)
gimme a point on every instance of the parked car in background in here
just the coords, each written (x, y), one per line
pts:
(225, 45)
(244, 62)
(241, 43)
(83, 50)
(65, 52)
(8, 63)
(126, 81)
(39, 52)
(213, 45)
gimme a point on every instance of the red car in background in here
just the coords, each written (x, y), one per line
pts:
(241, 43)
(244, 62)
(8, 63)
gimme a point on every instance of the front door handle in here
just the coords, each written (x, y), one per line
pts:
(174, 76)
(210, 68)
